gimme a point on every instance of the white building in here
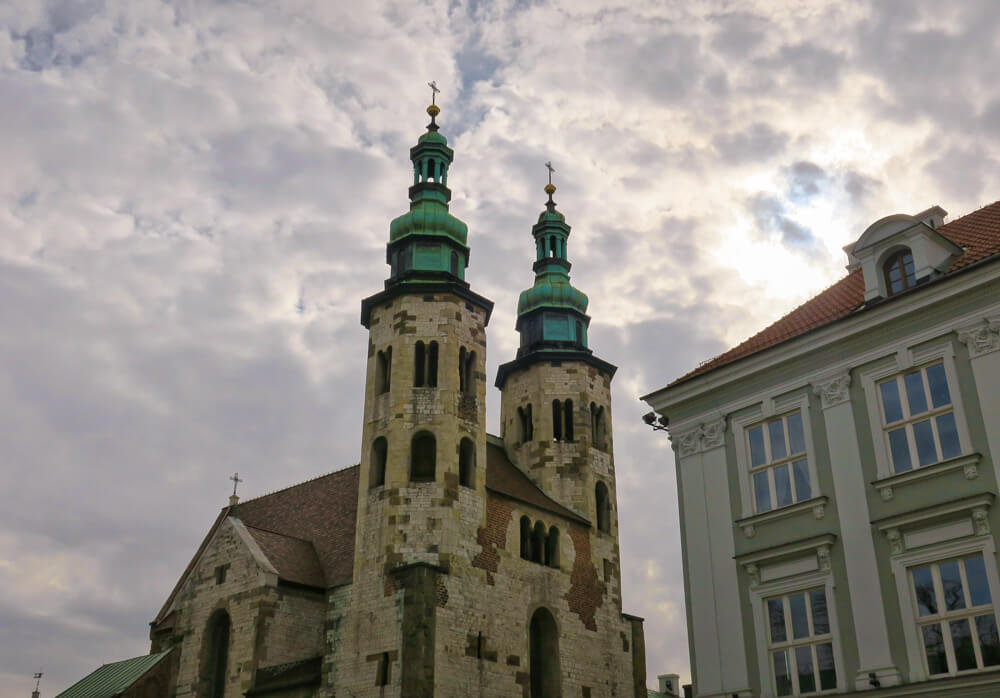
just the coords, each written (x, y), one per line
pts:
(837, 474)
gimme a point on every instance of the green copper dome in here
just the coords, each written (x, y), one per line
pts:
(552, 314)
(427, 241)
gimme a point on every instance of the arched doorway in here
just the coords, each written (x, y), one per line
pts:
(543, 639)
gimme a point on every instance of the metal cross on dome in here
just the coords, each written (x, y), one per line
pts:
(434, 89)
(551, 170)
(236, 481)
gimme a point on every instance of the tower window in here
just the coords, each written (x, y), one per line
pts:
(557, 421)
(383, 371)
(425, 365)
(568, 415)
(454, 263)
(467, 463)
(526, 423)
(466, 369)
(899, 272)
(603, 503)
(382, 671)
(423, 457)
(376, 468)
(579, 334)
(598, 428)
(543, 643)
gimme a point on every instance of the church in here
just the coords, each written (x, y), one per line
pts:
(449, 562)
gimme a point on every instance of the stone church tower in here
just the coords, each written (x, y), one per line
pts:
(449, 562)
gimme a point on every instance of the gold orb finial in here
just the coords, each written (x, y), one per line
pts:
(550, 188)
(433, 110)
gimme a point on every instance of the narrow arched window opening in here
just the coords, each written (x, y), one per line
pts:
(454, 263)
(603, 505)
(423, 457)
(217, 657)
(557, 433)
(579, 334)
(543, 650)
(432, 365)
(525, 538)
(467, 463)
(552, 548)
(376, 468)
(383, 371)
(899, 272)
(527, 427)
(568, 413)
(419, 364)
(598, 428)
(538, 543)
(461, 369)
(468, 367)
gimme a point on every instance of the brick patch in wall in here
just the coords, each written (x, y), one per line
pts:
(493, 537)
(586, 592)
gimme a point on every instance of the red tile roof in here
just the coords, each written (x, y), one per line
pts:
(294, 558)
(503, 477)
(978, 233)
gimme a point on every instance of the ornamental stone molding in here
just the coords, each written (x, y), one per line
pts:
(754, 572)
(895, 540)
(834, 391)
(981, 521)
(823, 555)
(750, 531)
(982, 338)
(970, 471)
(886, 493)
(819, 511)
(703, 437)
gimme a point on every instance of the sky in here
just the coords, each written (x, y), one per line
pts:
(195, 196)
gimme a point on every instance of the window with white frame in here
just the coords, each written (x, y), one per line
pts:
(918, 418)
(956, 621)
(800, 643)
(779, 466)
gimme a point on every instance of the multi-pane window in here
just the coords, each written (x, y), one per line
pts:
(919, 418)
(800, 643)
(899, 272)
(779, 467)
(955, 619)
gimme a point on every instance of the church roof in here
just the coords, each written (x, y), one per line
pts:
(113, 679)
(307, 530)
(294, 558)
(978, 233)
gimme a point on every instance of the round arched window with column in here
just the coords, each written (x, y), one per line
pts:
(423, 457)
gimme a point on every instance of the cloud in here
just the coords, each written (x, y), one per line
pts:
(199, 196)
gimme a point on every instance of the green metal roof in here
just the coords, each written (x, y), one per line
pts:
(112, 680)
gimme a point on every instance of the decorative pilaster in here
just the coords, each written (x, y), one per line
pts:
(833, 391)
(983, 338)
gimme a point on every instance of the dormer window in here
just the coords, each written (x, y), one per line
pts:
(899, 272)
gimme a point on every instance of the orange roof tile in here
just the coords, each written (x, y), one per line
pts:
(978, 233)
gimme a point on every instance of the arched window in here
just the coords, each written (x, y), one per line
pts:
(568, 414)
(538, 543)
(454, 263)
(419, 364)
(376, 469)
(603, 502)
(216, 659)
(461, 369)
(467, 463)
(543, 643)
(557, 433)
(899, 273)
(526, 433)
(552, 548)
(432, 365)
(525, 538)
(598, 428)
(383, 371)
(467, 366)
(423, 457)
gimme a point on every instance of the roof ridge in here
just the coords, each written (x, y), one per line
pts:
(298, 484)
(278, 533)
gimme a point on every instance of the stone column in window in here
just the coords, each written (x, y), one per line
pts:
(870, 628)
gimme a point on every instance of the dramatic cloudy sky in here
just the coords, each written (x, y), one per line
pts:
(195, 196)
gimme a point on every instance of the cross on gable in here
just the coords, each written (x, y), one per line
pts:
(236, 481)
(434, 89)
